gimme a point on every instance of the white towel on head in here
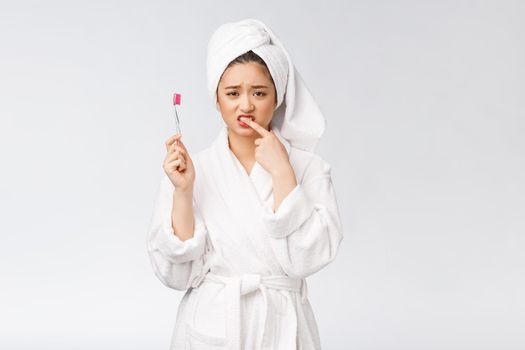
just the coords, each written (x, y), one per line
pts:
(299, 119)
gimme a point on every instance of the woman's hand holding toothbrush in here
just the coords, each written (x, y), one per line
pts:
(178, 165)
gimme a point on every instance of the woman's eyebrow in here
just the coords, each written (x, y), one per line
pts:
(253, 86)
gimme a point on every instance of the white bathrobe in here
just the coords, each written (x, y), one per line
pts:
(244, 270)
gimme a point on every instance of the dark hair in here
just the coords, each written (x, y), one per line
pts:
(250, 56)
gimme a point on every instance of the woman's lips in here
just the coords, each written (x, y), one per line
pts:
(243, 124)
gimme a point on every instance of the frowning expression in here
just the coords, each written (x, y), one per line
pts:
(246, 89)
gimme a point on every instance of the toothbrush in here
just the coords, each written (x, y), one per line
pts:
(176, 101)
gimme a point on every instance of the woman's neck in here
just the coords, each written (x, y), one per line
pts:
(243, 147)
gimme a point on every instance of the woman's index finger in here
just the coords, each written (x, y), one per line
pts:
(183, 146)
(255, 126)
(172, 139)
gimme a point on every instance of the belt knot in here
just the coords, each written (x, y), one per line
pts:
(250, 282)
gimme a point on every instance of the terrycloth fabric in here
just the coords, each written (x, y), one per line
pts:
(299, 118)
(245, 268)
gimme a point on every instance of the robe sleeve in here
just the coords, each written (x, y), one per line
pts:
(177, 264)
(306, 231)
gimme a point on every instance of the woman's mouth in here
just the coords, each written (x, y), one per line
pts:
(243, 124)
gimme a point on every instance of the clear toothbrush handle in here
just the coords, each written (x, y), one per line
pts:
(176, 101)
(177, 123)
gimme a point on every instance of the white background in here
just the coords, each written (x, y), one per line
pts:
(425, 134)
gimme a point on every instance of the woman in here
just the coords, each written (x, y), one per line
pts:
(241, 224)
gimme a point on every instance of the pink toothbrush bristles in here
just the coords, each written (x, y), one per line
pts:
(176, 99)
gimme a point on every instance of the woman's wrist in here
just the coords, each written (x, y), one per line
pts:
(183, 191)
(284, 182)
(283, 171)
(284, 179)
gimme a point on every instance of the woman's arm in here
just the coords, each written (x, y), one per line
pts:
(177, 237)
(283, 183)
(182, 214)
(306, 228)
(176, 262)
(179, 168)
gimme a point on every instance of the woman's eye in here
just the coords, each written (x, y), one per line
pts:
(257, 93)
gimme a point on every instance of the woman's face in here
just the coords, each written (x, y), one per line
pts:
(246, 89)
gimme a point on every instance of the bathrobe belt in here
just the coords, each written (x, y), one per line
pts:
(236, 287)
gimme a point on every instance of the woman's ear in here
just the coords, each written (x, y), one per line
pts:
(217, 99)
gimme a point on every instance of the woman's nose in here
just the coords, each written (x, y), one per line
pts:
(246, 104)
